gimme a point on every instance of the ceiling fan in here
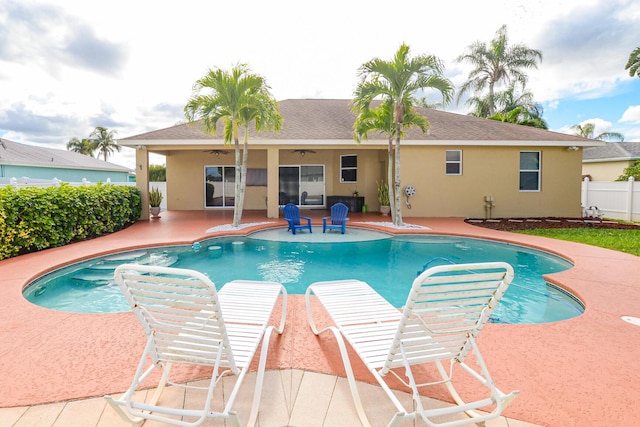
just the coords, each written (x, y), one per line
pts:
(303, 152)
(217, 152)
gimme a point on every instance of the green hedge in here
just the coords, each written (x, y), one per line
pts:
(32, 219)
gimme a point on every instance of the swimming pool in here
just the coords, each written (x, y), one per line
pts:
(388, 263)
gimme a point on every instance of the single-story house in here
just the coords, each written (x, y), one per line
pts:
(463, 167)
(22, 161)
(607, 162)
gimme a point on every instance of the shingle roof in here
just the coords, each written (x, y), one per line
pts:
(14, 153)
(613, 151)
(332, 119)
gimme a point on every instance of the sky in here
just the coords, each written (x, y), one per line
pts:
(69, 66)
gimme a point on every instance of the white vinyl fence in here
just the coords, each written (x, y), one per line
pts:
(43, 183)
(616, 200)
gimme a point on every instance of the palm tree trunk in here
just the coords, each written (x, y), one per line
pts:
(390, 179)
(397, 220)
(239, 203)
(399, 117)
(492, 101)
(236, 195)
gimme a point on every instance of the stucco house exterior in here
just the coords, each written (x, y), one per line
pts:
(39, 163)
(607, 162)
(463, 167)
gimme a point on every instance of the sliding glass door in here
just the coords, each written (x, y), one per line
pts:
(302, 185)
(219, 186)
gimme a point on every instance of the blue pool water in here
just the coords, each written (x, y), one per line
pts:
(388, 264)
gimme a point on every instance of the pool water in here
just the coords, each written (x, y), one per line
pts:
(388, 264)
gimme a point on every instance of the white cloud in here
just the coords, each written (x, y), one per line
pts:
(600, 126)
(66, 67)
(631, 115)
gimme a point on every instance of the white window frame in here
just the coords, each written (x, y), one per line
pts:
(538, 171)
(348, 168)
(453, 162)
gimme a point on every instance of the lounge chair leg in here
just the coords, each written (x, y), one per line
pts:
(253, 416)
(163, 382)
(351, 378)
(133, 420)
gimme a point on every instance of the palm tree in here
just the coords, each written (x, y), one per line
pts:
(495, 63)
(514, 97)
(82, 146)
(104, 141)
(633, 64)
(237, 97)
(522, 116)
(265, 114)
(587, 130)
(380, 119)
(480, 106)
(396, 81)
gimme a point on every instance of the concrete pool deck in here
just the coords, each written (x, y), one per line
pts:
(570, 373)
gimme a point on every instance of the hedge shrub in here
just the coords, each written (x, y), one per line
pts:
(32, 219)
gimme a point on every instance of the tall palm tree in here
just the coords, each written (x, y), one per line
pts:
(633, 64)
(495, 63)
(237, 97)
(587, 130)
(104, 141)
(265, 115)
(82, 146)
(396, 81)
(380, 119)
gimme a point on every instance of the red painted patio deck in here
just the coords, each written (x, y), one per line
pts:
(578, 372)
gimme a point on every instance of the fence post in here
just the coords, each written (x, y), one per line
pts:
(585, 193)
(630, 199)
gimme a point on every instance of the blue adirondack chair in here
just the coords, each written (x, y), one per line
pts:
(337, 220)
(292, 215)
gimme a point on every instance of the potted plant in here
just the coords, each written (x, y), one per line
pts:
(155, 198)
(383, 197)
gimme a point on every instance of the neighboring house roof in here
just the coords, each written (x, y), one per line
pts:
(333, 119)
(612, 151)
(14, 153)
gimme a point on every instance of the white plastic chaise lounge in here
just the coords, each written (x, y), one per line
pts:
(187, 321)
(446, 309)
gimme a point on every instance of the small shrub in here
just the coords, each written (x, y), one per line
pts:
(383, 193)
(155, 197)
(631, 171)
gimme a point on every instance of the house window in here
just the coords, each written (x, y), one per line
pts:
(529, 171)
(453, 162)
(349, 168)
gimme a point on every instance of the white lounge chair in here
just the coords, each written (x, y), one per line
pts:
(446, 309)
(188, 322)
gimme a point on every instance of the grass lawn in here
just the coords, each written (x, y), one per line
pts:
(624, 240)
